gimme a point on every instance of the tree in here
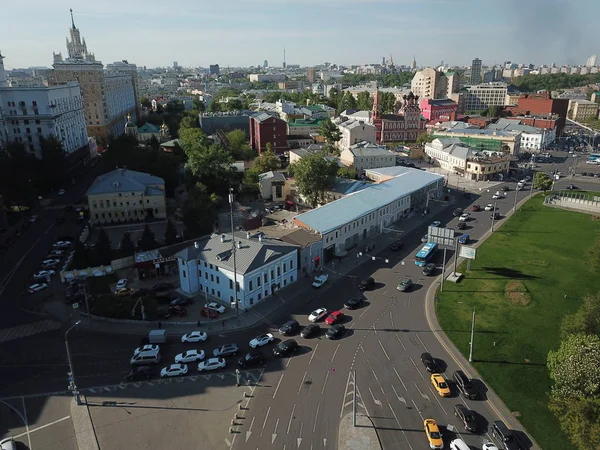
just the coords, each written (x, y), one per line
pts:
(80, 256)
(211, 165)
(127, 247)
(424, 138)
(347, 172)
(495, 111)
(330, 132)
(364, 101)
(199, 210)
(387, 102)
(347, 101)
(154, 144)
(188, 122)
(170, 233)
(266, 162)
(238, 146)
(313, 175)
(198, 104)
(579, 418)
(148, 240)
(145, 102)
(586, 320)
(102, 254)
(541, 180)
(52, 167)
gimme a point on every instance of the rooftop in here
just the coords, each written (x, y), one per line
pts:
(252, 254)
(345, 186)
(365, 148)
(123, 180)
(345, 210)
(148, 128)
(513, 125)
(275, 176)
(475, 132)
(306, 122)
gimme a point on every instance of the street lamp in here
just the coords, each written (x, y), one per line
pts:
(235, 285)
(472, 336)
(71, 374)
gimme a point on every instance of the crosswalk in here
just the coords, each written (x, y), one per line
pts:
(30, 329)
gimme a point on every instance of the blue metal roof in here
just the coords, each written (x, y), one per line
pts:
(338, 213)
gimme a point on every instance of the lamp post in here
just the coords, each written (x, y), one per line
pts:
(233, 248)
(493, 216)
(472, 336)
(71, 374)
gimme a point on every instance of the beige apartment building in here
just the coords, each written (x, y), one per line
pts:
(582, 110)
(123, 196)
(435, 84)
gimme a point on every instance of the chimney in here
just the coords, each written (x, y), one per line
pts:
(197, 244)
(247, 235)
(260, 238)
(222, 238)
(239, 244)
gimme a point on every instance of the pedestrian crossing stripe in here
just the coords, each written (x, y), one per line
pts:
(29, 329)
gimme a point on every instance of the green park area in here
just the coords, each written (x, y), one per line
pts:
(527, 276)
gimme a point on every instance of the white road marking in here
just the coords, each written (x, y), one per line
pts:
(43, 426)
(291, 417)
(26, 420)
(345, 394)
(325, 383)
(274, 434)
(416, 368)
(301, 383)
(437, 400)
(265, 422)
(384, 352)
(399, 397)
(228, 442)
(374, 374)
(374, 329)
(417, 408)
(362, 349)
(313, 353)
(316, 417)
(335, 352)
(398, 375)
(419, 338)
(399, 340)
(364, 312)
(299, 439)
(391, 319)
(399, 426)
(288, 362)
(277, 388)
(377, 402)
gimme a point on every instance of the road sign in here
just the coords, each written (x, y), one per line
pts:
(467, 252)
(444, 237)
(75, 305)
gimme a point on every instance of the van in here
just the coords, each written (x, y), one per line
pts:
(459, 444)
(146, 357)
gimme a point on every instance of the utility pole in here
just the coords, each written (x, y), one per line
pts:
(472, 336)
(87, 305)
(516, 192)
(493, 216)
(354, 399)
(71, 375)
(233, 248)
(455, 255)
(443, 270)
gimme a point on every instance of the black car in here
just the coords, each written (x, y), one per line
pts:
(251, 358)
(505, 188)
(429, 269)
(139, 373)
(289, 328)
(457, 212)
(465, 385)
(504, 435)
(396, 246)
(461, 225)
(163, 287)
(181, 301)
(285, 348)
(366, 284)
(353, 303)
(430, 363)
(495, 215)
(310, 330)
(467, 417)
(572, 187)
(336, 331)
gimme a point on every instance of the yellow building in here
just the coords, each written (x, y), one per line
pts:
(123, 196)
(582, 110)
(486, 168)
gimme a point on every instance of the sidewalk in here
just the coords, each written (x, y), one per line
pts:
(494, 401)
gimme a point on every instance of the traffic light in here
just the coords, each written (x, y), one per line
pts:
(70, 377)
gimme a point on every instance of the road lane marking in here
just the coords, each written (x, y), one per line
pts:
(277, 388)
(437, 400)
(274, 434)
(399, 426)
(374, 374)
(417, 408)
(374, 329)
(364, 312)
(325, 383)
(419, 338)
(398, 375)
(249, 432)
(377, 402)
(291, 417)
(399, 340)
(313, 353)
(345, 394)
(316, 417)
(288, 362)
(425, 396)
(391, 319)
(299, 439)
(399, 397)
(416, 368)
(228, 442)
(26, 420)
(384, 352)
(265, 422)
(335, 352)
(361, 349)
(302, 383)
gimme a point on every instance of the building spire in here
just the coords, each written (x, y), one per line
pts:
(72, 20)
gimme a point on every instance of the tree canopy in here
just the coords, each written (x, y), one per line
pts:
(330, 132)
(266, 162)
(127, 247)
(541, 180)
(553, 82)
(148, 240)
(586, 320)
(199, 210)
(313, 175)
(238, 146)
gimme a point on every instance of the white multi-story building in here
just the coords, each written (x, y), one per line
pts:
(592, 61)
(365, 155)
(355, 131)
(450, 153)
(266, 77)
(261, 267)
(481, 96)
(533, 139)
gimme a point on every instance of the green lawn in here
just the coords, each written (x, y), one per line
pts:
(517, 286)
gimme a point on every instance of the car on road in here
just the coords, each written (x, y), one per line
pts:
(50, 262)
(572, 187)
(174, 370)
(317, 315)
(310, 330)
(334, 317)
(495, 215)
(440, 384)
(194, 336)
(498, 195)
(215, 307)
(226, 350)
(432, 431)
(190, 356)
(459, 444)
(353, 303)
(139, 373)
(288, 328)
(367, 284)
(62, 244)
(261, 339)
(182, 301)
(464, 217)
(487, 445)
(8, 444)
(505, 188)
(489, 207)
(405, 285)
(122, 292)
(461, 225)
(457, 212)
(464, 239)
(429, 269)
(320, 280)
(147, 348)
(252, 358)
(211, 364)
(429, 362)
(436, 223)
(37, 287)
(122, 283)
(425, 239)
(163, 287)
(285, 347)
(504, 435)
(396, 246)
(43, 274)
(465, 385)
(475, 208)
(33, 218)
(209, 313)
(177, 311)
(336, 332)
(467, 417)
(61, 192)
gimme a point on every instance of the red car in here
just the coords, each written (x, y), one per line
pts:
(178, 311)
(334, 317)
(210, 313)
(475, 208)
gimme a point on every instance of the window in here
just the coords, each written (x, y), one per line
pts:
(265, 278)
(251, 301)
(284, 268)
(250, 284)
(258, 281)
(272, 274)
(218, 280)
(230, 284)
(279, 271)
(212, 278)
(210, 266)
(259, 296)
(291, 278)
(183, 272)
(291, 264)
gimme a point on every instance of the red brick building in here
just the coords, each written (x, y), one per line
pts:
(402, 127)
(435, 109)
(268, 129)
(543, 105)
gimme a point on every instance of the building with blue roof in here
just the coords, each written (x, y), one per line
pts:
(123, 196)
(344, 223)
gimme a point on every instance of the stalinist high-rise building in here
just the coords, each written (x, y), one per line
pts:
(107, 97)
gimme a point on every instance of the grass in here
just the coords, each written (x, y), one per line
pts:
(527, 276)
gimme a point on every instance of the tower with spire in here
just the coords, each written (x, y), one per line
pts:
(3, 76)
(77, 48)
(413, 64)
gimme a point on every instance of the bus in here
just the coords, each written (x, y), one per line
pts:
(425, 254)
(594, 157)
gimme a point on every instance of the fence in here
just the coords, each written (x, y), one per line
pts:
(574, 201)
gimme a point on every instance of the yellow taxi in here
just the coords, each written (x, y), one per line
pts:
(433, 434)
(440, 384)
(122, 292)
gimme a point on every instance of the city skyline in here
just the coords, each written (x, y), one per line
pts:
(152, 34)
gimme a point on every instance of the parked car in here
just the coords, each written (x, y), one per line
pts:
(464, 217)
(211, 364)
(310, 330)
(209, 313)
(147, 348)
(43, 274)
(461, 225)
(405, 285)
(194, 336)
(436, 223)
(457, 212)
(163, 287)
(285, 348)
(215, 307)
(288, 328)
(464, 239)
(174, 370)
(334, 317)
(425, 239)
(251, 359)
(317, 315)
(37, 287)
(353, 303)
(320, 280)
(226, 350)
(489, 207)
(190, 356)
(261, 339)
(367, 284)
(475, 208)
(178, 311)
(122, 283)
(139, 373)
(495, 215)
(396, 246)
(122, 292)
(50, 262)
(33, 218)
(336, 331)
(181, 301)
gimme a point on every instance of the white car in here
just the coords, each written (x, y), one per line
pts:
(489, 207)
(498, 195)
(174, 370)
(464, 217)
(62, 244)
(121, 284)
(262, 339)
(44, 274)
(146, 348)
(194, 336)
(8, 444)
(320, 280)
(37, 287)
(487, 445)
(594, 162)
(51, 262)
(215, 307)
(190, 356)
(61, 192)
(211, 364)
(33, 218)
(317, 315)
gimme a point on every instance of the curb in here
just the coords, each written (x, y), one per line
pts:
(493, 400)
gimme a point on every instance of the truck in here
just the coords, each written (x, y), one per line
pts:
(157, 336)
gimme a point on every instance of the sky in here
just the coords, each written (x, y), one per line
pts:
(154, 33)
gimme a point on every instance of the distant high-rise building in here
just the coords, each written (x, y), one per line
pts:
(175, 65)
(266, 63)
(311, 74)
(592, 61)
(413, 64)
(214, 69)
(476, 71)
